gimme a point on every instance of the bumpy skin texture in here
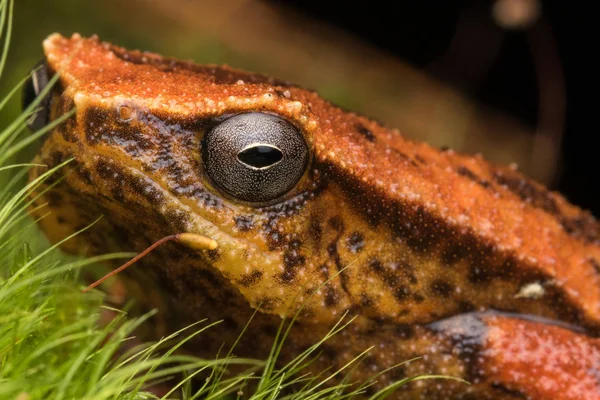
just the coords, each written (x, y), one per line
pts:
(417, 242)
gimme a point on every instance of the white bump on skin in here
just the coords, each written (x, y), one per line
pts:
(532, 290)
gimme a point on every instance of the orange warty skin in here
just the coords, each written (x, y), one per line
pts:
(480, 271)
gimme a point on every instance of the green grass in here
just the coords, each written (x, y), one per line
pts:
(53, 344)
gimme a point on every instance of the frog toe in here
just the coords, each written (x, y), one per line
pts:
(524, 357)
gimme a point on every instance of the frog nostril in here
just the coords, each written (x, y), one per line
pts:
(260, 155)
(32, 89)
(126, 113)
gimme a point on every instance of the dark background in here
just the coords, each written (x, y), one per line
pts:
(421, 34)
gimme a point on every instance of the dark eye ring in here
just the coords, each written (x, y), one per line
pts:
(33, 87)
(254, 157)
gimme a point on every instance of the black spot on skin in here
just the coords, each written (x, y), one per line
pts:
(412, 279)
(292, 259)
(251, 278)
(315, 231)
(330, 296)
(83, 173)
(465, 307)
(466, 172)
(404, 331)
(455, 252)
(213, 255)
(538, 197)
(422, 233)
(509, 267)
(505, 391)
(595, 265)
(366, 300)
(482, 268)
(418, 298)
(287, 276)
(391, 279)
(420, 159)
(584, 227)
(244, 223)
(365, 132)
(376, 266)
(403, 312)
(441, 288)
(480, 274)
(405, 157)
(266, 303)
(332, 249)
(402, 293)
(355, 242)
(336, 223)
(106, 170)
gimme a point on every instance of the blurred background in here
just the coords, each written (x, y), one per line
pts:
(505, 78)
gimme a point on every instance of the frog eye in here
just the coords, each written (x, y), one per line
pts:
(33, 87)
(254, 157)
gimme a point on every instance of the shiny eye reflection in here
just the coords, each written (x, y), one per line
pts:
(254, 157)
(260, 156)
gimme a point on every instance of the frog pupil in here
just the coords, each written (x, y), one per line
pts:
(260, 156)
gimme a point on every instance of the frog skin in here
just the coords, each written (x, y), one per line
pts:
(480, 271)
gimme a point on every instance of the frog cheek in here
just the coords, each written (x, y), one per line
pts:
(254, 158)
(34, 86)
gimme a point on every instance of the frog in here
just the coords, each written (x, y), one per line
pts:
(442, 263)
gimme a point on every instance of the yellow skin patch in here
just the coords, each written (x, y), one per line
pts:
(408, 238)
